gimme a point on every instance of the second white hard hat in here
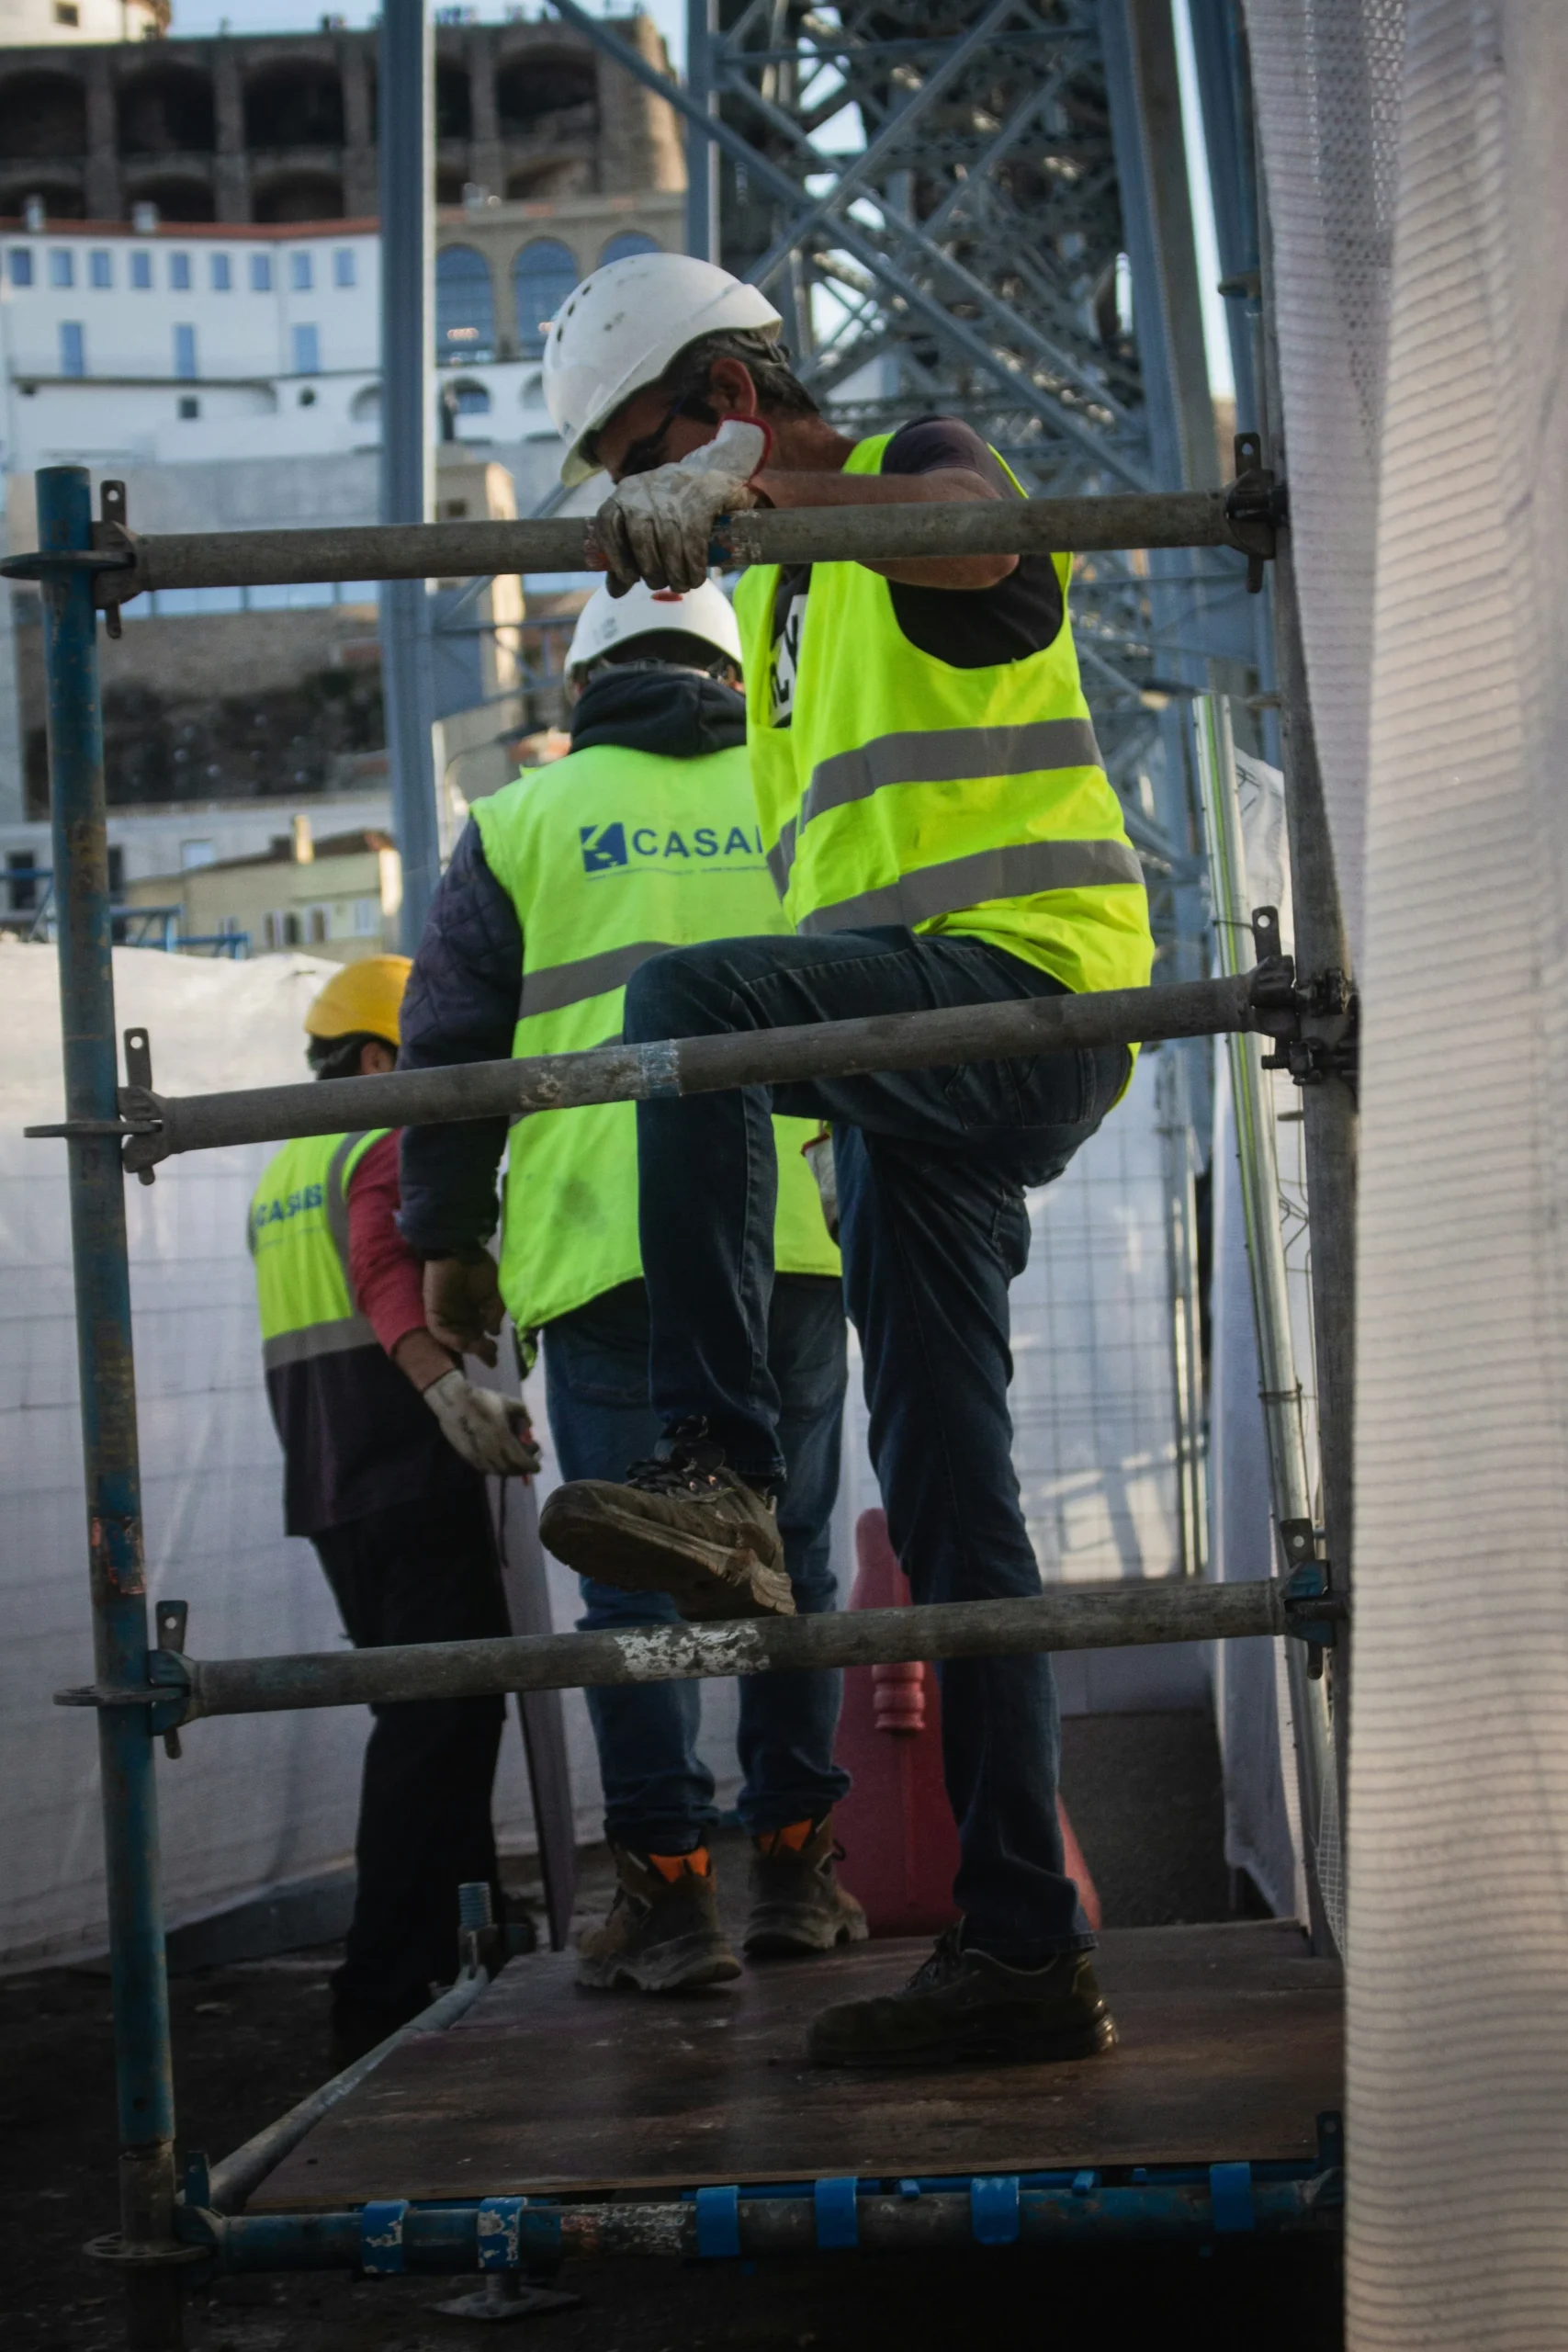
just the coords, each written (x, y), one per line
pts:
(619, 329)
(606, 621)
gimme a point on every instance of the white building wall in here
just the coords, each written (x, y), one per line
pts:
(32, 23)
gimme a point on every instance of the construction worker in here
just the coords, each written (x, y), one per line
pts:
(385, 1447)
(644, 835)
(941, 832)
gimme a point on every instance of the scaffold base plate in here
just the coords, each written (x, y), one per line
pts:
(1230, 2048)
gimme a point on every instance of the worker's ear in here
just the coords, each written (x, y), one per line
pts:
(730, 388)
(375, 1059)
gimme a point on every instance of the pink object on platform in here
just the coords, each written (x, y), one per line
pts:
(896, 1825)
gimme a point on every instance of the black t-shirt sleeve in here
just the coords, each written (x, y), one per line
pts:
(972, 628)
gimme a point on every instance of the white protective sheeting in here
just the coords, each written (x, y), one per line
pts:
(1459, 1792)
(1457, 1983)
(1326, 86)
(256, 1803)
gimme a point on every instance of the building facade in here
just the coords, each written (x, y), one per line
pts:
(280, 128)
(170, 345)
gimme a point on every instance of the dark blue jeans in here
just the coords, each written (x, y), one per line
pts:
(931, 1168)
(658, 1795)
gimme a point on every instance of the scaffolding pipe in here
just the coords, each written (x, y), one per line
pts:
(1279, 1384)
(1030, 1026)
(1074, 1617)
(143, 2073)
(134, 564)
(232, 2182)
(505, 2233)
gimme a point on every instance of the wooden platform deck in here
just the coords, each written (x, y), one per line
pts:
(1230, 2048)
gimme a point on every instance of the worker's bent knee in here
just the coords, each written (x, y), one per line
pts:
(687, 992)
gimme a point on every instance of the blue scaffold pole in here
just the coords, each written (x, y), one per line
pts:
(145, 2249)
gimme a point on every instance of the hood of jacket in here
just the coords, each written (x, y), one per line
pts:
(678, 714)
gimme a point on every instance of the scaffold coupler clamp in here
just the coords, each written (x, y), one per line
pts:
(112, 553)
(1256, 508)
(1313, 1610)
(1314, 1022)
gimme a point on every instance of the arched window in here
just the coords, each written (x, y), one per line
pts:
(469, 399)
(464, 307)
(542, 276)
(630, 243)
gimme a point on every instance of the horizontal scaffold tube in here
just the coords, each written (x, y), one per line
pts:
(1021, 1029)
(1069, 1617)
(232, 2180)
(446, 2239)
(1182, 518)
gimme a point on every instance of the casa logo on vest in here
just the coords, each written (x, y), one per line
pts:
(611, 849)
(283, 1206)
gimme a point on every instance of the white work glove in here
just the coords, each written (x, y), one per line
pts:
(658, 527)
(491, 1432)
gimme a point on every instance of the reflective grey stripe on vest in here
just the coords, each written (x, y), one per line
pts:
(781, 857)
(559, 985)
(935, 755)
(336, 1203)
(319, 1339)
(1021, 871)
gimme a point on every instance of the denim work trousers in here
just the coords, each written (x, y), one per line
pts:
(658, 1796)
(418, 1572)
(931, 1169)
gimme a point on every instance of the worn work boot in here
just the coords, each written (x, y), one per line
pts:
(966, 2005)
(662, 1934)
(688, 1527)
(798, 1905)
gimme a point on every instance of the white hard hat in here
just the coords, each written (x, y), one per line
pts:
(606, 621)
(619, 329)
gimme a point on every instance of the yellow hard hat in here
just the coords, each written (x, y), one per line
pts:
(361, 998)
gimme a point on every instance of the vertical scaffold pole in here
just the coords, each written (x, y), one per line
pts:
(143, 2074)
(1330, 1119)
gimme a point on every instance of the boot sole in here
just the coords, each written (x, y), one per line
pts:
(704, 1580)
(784, 1938)
(688, 1965)
(998, 2046)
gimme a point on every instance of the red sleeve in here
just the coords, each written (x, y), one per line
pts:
(383, 1269)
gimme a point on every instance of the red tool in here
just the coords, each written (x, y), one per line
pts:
(896, 1826)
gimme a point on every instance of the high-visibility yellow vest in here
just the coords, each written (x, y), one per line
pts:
(610, 856)
(299, 1237)
(903, 790)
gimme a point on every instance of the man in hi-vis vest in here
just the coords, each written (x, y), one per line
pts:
(385, 1447)
(643, 837)
(941, 832)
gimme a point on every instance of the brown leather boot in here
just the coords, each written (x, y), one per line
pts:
(687, 1526)
(662, 1933)
(798, 1905)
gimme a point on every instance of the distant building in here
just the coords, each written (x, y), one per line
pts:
(280, 128)
(339, 896)
(57, 24)
(189, 300)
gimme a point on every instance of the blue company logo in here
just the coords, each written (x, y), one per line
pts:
(608, 848)
(282, 1206)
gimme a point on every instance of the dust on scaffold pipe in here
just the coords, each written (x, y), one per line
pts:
(1074, 1617)
(684, 1065)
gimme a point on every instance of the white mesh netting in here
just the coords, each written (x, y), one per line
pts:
(1456, 859)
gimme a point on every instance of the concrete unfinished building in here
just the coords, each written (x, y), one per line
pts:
(283, 127)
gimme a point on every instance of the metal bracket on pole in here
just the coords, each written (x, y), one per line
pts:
(1256, 508)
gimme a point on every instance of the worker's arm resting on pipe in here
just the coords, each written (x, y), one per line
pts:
(461, 1006)
(490, 1432)
(658, 523)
